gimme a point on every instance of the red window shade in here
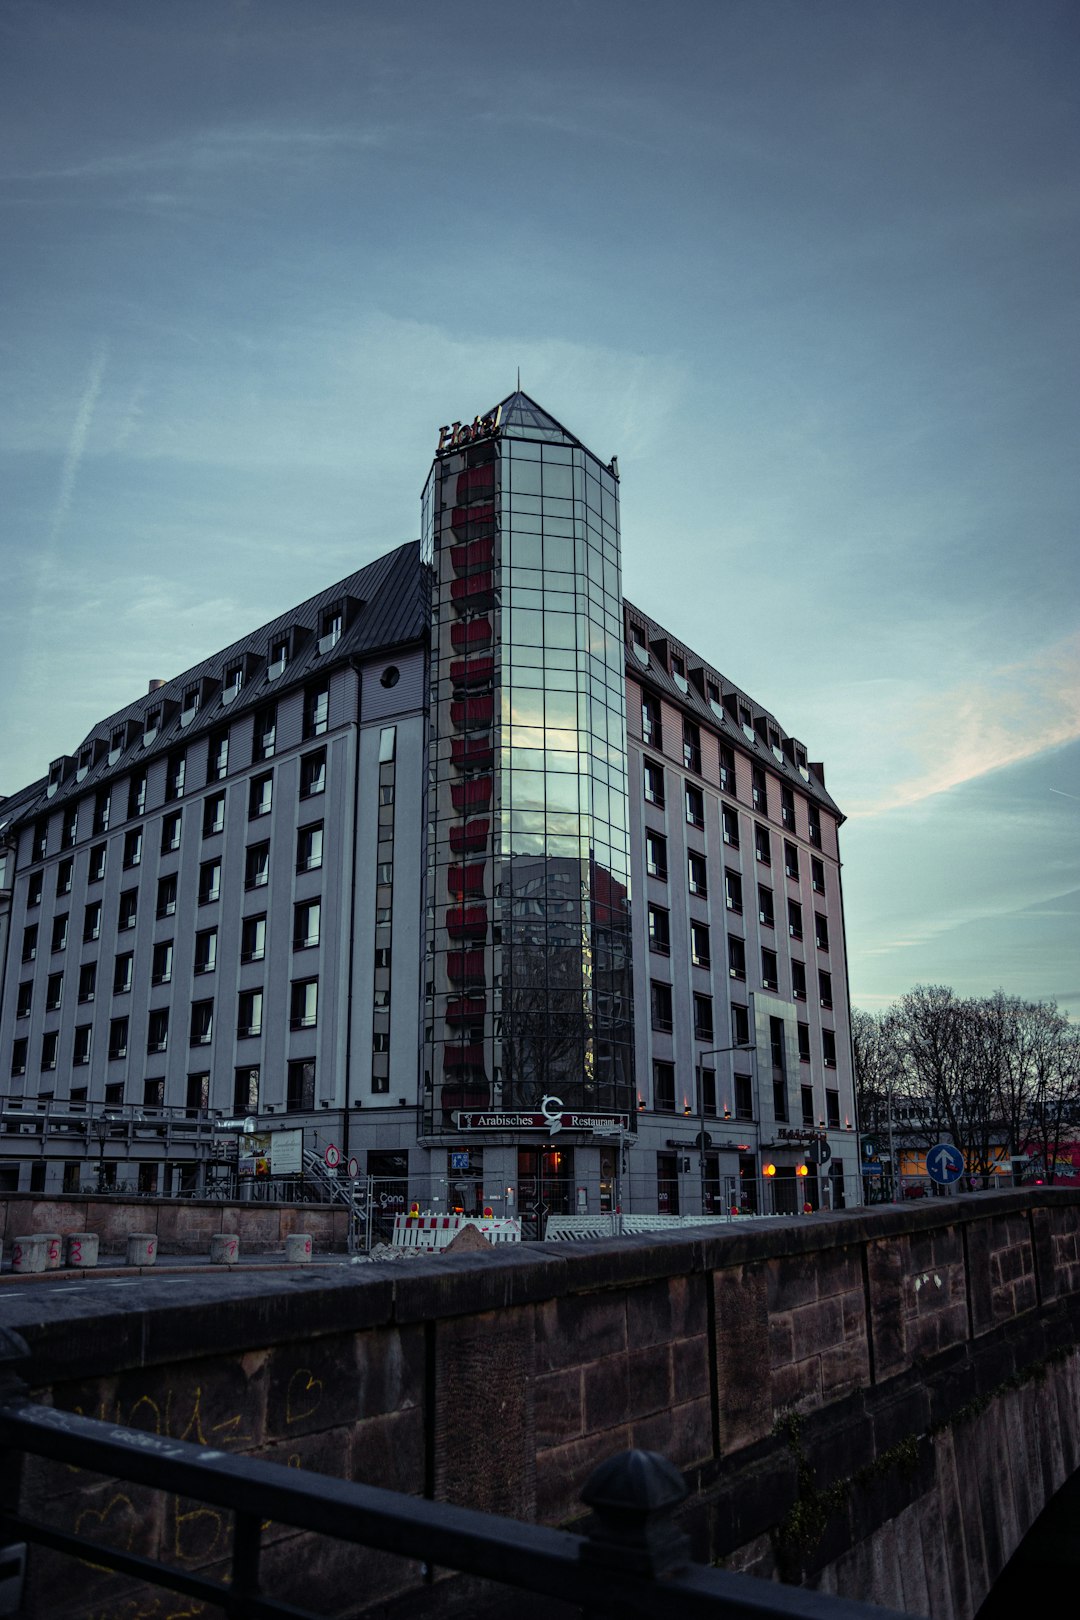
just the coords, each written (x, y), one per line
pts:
(467, 922)
(470, 1057)
(470, 633)
(473, 522)
(473, 588)
(472, 671)
(476, 482)
(466, 1010)
(472, 836)
(472, 793)
(466, 879)
(473, 554)
(465, 713)
(465, 967)
(475, 753)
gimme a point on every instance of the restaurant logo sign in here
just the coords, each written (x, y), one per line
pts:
(540, 1122)
(458, 434)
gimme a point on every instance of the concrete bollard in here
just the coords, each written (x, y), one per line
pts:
(54, 1250)
(28, 1253)
(298, 1248)
(82, 1250)
(224, 1249)
(141, 1249)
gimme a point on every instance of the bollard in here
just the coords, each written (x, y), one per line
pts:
(224, 1249)
(298, 1248)
(82, 1250)
(54, 1250)
(28, 1253)
(141, 1249)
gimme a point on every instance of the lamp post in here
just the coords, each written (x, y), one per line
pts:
(712, 1051)
(101, 1131)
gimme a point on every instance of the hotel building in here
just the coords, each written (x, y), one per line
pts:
(464, 867)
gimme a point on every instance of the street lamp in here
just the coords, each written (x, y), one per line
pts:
(101, 1131)
(712, 1051)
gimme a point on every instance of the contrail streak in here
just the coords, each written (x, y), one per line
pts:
(77, 442)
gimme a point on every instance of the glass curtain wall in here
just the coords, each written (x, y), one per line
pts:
(528, 981)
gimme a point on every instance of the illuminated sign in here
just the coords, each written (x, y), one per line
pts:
(540, 1122)
(459, 434)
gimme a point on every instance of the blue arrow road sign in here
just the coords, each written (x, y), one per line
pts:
(945, 1163)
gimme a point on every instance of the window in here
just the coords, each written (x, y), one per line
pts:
(260, 796)
(769, 974)
(727, 768)
(39, 841)
(695, 805)
(700, 952)
(29, 942)
(762, 848)
(730, 823)
(313, 774)
(733, 891)
(118, 1039)
(740, 1025)
(19, 1049)
(34, 887)
(175, 772)
(659, 930)
(821, 931)
(170, 831)
(744, 1097)
(54, 992)
(253, 939)
(794, 919)
(265, 736)
(759, 790)
(652, 731)
(331, 625)
(161, 966)
(804, 1050)
(304, 1003)
(70, 828)
(213, 818)
(703, 1019)
(765, 906)
(123, 972)
(26, 996)
(96, 869)
(817, 875)
(654, 783)
(316, 709)
(798, 980)
(157, 1032)
(699, 883)
(202, 1023)
(691, 747)
(791, 861)
(787, 807)
(206, 950)
(309, 847)
(87, 981)
(828, 1050)
(102, 805)
(246, 1090)
(166, 896)
(660, 1003)
(217, 759)
(129, 907)
(198, 1092)
(249, 1014)
(60, 932)
(80, 1053)
(656, 856)
(50, 1043)
(832, 1109)
(815, 825)
(257, 866)
(779, 1068)
(708, 1092)
(664, 1088)
(132, 847)
(300, 1087)
(63, 877)
(209, 882)
(825, 989)
(92, 922)
(136, 804)
(736, 958)
(306, 919)
(386, 793)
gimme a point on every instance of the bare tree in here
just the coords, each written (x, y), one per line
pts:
(1055, 1109)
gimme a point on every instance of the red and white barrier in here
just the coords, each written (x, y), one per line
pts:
(433, 1232)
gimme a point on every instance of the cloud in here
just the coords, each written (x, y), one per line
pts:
(966, 731)
(76, 448)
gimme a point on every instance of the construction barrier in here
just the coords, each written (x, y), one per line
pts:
(438, 1231)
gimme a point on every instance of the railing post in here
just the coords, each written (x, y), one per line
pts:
(14, 1352)
(634, 1496)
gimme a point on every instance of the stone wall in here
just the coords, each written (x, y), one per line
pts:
(878, 1403)
(182, 1225)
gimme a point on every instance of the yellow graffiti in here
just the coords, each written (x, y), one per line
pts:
(91, 1518)
(185, 1525)
(307, 1396)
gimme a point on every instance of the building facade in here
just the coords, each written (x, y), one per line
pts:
(464, 869)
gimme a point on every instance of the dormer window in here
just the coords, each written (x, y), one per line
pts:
(233, 682)
(152, 725)
(86, 759)
(640, 645)
(716, 704)
(331, 625)
(746, 720)
(56, 774)
(774, 744)
(190, 706)
(678, 673)
(279, 657)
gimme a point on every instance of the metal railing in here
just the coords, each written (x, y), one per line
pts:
(632, 1560)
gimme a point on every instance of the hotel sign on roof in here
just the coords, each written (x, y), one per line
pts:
(458, 434)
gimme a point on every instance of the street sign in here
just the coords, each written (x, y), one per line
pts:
(869, 1148)
(873, 1170)
(332, 1157)
(945, 1164)
(459, 1161)
(819, 1152)
(354, 1168)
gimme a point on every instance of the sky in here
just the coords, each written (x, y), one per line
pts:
(808, 268)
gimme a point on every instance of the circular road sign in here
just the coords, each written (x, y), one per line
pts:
(819, 1151)
(945, 1163)
(354, 1168)
(332, 1157)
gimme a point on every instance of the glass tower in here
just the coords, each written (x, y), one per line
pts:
(528, 970)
